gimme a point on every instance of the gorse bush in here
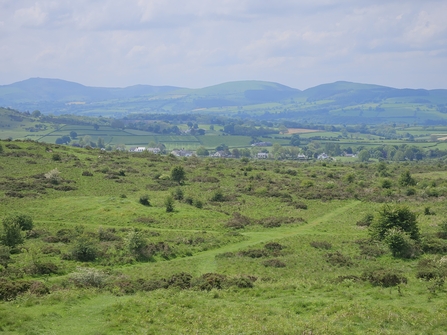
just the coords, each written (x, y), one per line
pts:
(88, 277)
(53, 176)
(144, 200)
(384, 277)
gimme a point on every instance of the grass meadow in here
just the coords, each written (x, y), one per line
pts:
(250, 247)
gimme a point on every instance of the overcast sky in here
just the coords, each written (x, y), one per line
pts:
(197, 43)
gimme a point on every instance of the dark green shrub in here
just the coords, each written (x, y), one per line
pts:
(178, 174)
(5, 256)
(398, 216)
(384, 277)
(400, 243)
(11, 234)
(253, 253)
(11, 289)
(169, 204)
(241, 281)
(210, 281)
(198, 204)
(65, 235)
(371, 249)
(406, 179)
(338, 259)
(178, 194)
(321, 245)
(50, 250)
(84, 250)
(35, 233)
(218, 196)
(25, 221)
(273, 246)
(238, 221)
(181, 280)
(432, 245)
(386, 183)
(427, 211)
(124, 285)
(275, 263)
(38, 288)
(300, 205)
(108, 234)
(410, 191)
(56, 157)
(144, 200)
(43, 268)
(189, 200)
(87, 174)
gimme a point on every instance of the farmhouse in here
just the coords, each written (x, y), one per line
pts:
(262, 155)
(154, 150)
(219, 154)
(137, 149)
(182, 153)
(322, 156)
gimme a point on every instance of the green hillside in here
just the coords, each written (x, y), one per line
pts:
(95, 242)
(339, 102)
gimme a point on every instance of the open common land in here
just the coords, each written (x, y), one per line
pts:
(98, 242)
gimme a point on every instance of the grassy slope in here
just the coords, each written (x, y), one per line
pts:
(302, 297)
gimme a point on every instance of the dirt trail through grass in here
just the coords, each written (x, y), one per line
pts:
(207, 262)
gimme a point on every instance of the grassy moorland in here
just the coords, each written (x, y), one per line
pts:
(117, 243)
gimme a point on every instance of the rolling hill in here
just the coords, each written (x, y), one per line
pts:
(337, 102)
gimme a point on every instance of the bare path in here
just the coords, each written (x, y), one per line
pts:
(207, 262)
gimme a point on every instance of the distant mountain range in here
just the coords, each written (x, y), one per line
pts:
(335, 102)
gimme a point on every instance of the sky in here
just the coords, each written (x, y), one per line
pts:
(198, 43)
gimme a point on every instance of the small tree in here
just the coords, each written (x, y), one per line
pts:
(363, 156)
(202, 151)
(406, 179)
(178, 174)
(178, 194)
(169, 203)
(24, 221)
(400, 243)
(84, 250)
(11, 235)
(399, 217)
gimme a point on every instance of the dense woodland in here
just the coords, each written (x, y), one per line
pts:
(145, 243)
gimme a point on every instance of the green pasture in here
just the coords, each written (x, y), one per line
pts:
(310, 213)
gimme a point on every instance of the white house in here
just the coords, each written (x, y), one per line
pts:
(137, 149)
(154, 150)
(322, 156)
(262, 155)
(182, 153)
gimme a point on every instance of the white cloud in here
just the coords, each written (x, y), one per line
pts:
(200, 42)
